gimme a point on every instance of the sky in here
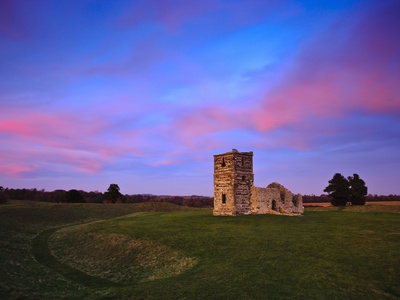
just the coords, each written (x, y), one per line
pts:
(144, 93)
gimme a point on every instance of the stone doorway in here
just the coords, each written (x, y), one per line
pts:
(274, 205)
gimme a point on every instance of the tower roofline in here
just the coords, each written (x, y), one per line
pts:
(234, 151)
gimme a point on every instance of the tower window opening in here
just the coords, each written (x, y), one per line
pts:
(223, 198)
(283, 196)
(243, 178)
(223, 162)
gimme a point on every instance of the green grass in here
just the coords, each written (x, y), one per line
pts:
(165, 252)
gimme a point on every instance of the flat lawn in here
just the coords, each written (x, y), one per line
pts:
(159, 251)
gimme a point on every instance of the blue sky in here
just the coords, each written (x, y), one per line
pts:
(143, 93)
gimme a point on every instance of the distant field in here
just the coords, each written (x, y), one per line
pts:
(326, 204)
(162, 251)
(383, 203)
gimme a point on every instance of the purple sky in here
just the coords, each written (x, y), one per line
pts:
(143, 93)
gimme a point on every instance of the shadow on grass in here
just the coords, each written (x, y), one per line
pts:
(41, 253)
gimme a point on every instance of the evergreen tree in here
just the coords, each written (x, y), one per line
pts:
(339, 190)
(358, 190)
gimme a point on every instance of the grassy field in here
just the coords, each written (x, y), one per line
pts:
(160, 251)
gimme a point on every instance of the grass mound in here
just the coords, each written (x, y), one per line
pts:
(116, 257)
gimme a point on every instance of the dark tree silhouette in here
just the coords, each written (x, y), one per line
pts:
(358, 190)
(339, 190)
(113, 194)
(73, 196)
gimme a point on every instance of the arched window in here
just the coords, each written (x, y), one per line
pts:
(223, 162)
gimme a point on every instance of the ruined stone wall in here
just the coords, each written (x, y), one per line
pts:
(234, 193)
(298, 207)
(289, 204)
(262, 200)
(275, 198)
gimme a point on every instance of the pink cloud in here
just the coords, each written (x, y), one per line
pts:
(352, 66)
(19, 162)
(45, 128)
(14, 169)
(52, 139)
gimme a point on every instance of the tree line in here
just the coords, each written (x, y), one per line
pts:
(324, 198)
(340, 192)
(111, 195)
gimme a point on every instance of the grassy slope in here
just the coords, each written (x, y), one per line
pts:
(325, 254)
(21, 276)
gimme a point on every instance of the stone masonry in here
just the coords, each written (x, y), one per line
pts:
(235, 194)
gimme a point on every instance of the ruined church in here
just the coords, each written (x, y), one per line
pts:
(235, 194)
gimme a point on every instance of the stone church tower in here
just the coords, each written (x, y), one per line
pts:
(233, 182)
(235, 194)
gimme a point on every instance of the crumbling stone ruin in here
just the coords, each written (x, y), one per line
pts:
(235, 194)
